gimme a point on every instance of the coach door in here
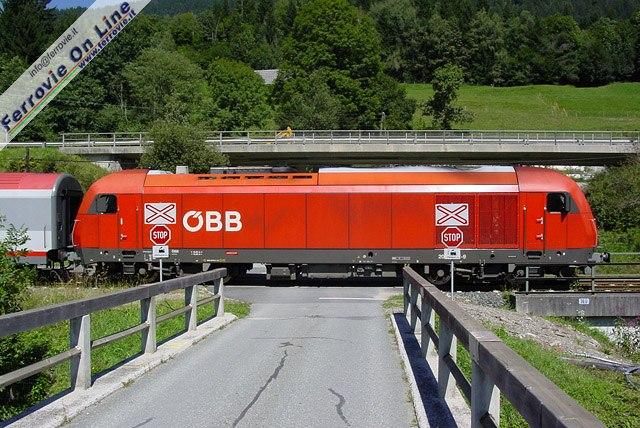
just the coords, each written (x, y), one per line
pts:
(128, 214)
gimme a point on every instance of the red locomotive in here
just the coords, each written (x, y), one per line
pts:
(358, 222)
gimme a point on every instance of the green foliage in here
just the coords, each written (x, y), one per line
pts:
(176, 144)
(485, 48)
(441, 107)
(50, 160)
(25, 27)
(614, 196)
(10, 69)
(168, 84)
(338, 48)
(17, 351)
(239, 96)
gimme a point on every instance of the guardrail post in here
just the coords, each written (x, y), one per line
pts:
(447, 349)
(80, 338)
(406, 287)
(191, 300)
(218, 304)
(428, 319)
(148, 316)
(413, 302)
(485, 398)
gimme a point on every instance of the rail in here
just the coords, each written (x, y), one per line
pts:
(78, 313)
(357, 137)
(495, 367)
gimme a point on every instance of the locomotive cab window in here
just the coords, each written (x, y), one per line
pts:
(560, 203)
(105, 204)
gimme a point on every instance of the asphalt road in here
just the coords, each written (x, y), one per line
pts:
(312, 357)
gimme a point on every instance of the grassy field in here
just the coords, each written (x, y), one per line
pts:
(105, 323)
(613, 107)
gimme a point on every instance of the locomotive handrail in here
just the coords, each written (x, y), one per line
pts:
(78, 313)
(495, 367)
(269, 137)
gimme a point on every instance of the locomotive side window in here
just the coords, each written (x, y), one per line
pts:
(105, 204)
(560, 203)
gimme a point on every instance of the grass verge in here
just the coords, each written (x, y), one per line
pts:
(104, 323)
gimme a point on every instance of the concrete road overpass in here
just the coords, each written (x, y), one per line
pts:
(315, 148)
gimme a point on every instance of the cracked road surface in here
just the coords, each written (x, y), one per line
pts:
(312, 357)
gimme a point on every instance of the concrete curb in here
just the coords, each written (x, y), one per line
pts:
(66, 408)
(418, 405)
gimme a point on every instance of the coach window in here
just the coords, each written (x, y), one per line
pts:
(106, 204)
(560, 203)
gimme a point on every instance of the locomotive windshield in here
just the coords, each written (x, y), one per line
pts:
(560, 203)
(105, 204)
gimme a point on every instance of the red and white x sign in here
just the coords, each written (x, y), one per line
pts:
(452, 215)
(160, 213)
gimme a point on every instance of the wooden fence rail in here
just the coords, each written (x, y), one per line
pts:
(78, 313)
(495, 368)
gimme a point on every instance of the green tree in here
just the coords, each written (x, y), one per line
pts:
(339, 44)
(25, 28)
(446, 83)
(166, 85)
(397, 24)
(635, 24)
(439, 43)
(604, 54)
(239, 96)
(560, 46)
(614, 196)
(486, 48)
(17, 351)
(10, 69)
(177, 144)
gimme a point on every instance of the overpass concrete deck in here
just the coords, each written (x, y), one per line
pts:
(313, 357)
(316, 148)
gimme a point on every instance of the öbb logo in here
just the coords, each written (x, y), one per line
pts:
(212, 221)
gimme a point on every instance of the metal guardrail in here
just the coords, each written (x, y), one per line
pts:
(495, 368)
(222, 138)
(79, 315)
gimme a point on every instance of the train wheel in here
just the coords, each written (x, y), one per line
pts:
(439, 275)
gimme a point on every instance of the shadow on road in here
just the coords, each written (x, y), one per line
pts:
(438, 412)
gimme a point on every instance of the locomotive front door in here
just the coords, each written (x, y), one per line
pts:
(128, 214)
(534, 222)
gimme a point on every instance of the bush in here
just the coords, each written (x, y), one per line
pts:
(19, 350)
(177, 144)
(614, 196)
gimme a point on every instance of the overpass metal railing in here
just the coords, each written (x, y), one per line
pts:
(78, 313)
(495, 367)
(226, 138)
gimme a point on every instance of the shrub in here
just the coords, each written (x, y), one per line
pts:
(18, 351)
